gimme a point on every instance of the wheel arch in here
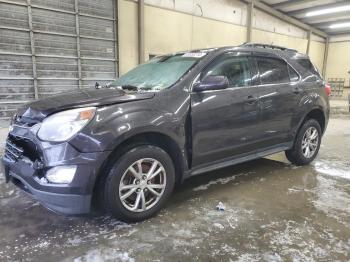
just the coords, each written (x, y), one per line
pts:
(316, 113)
(319, 116)
(293, 154)
(155, 138)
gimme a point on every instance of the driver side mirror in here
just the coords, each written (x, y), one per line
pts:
(211, 83)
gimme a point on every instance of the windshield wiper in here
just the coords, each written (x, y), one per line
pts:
(111, 86)
(129, 87)
(126, 87)
(145, 88)
(136, 88)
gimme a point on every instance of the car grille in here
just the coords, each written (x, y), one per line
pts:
(12, 151)
(17, 148)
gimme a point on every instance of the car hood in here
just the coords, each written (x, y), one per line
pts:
(39, 109)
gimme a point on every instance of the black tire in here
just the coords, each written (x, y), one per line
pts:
(295, 155)
(111, 196)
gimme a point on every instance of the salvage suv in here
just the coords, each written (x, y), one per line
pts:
(124, 146)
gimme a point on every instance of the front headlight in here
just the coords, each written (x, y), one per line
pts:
(63, 125)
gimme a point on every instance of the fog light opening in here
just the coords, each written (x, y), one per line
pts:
(61, 174)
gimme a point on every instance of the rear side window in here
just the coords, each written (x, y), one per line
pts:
(292, 74)
(272, 70)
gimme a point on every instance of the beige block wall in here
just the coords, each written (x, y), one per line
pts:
(264, 37)
(169, 31)
(338, 64)
(166, 31)
(211, 33)
(317, 54)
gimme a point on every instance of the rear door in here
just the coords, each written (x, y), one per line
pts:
(224, 121)
(279, 95)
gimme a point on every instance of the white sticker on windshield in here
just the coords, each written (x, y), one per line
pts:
(195, 54)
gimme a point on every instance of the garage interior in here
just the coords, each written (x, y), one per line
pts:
(274, 211)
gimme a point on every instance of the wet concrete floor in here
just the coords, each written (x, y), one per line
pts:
(274, 212)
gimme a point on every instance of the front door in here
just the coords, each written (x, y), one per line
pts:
(224, 121)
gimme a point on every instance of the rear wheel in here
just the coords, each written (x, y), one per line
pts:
(307, 143)
(139, 183)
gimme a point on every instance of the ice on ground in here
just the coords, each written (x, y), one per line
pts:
(334, 168)
(332, 200)
(219, 226)
(108, 254)
(272, 257)
(221, 181)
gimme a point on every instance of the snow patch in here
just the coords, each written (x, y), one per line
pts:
(332, 200)
(108, 254)
(334, 169)
(221, 181)
(219, 226)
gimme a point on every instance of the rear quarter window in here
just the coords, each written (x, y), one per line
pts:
(307, 65)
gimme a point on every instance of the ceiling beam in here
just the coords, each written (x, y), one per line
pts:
(340, 37)
(325, 18)
(328, 23)
(302, 13)
(285, 17)
(294, 3)
(339, 32)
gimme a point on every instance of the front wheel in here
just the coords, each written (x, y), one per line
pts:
(139, 183)
(307, 144)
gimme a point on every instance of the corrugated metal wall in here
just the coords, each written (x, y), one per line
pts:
(50, 46)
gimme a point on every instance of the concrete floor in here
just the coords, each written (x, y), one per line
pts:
(274, 211)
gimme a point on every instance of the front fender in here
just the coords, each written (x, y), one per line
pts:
(112, 126)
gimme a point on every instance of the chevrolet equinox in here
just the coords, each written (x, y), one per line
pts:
(123, 146)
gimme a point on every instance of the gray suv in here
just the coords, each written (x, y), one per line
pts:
(124, 146)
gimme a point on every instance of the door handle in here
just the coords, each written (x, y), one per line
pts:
(251, 99)
(320, 83)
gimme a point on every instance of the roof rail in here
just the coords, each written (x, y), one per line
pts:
(269, 46)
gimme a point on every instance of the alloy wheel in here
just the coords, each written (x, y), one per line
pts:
(142, 185)
(310, 142)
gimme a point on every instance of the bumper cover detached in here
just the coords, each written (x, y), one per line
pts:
(27, 159)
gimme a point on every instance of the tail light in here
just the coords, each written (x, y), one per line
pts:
(328, 89)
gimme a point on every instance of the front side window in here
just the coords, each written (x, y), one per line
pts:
(272, 70)
(235, 68)
(159, 72)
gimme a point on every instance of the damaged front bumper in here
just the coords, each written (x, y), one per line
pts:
(27, 159)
